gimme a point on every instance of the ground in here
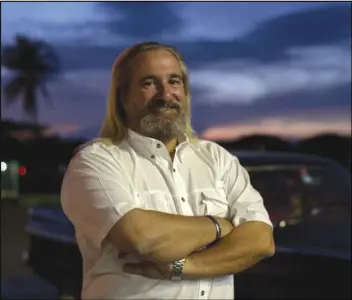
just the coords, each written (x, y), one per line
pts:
(17, 280)
(14, 239)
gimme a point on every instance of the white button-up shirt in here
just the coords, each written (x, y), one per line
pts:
(104, 182)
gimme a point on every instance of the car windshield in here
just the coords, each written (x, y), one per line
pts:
(294, 191)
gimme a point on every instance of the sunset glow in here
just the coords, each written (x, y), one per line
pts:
(277, 127)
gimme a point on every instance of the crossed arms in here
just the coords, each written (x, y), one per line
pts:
(171, 237)
(102, 207)
(167, 237)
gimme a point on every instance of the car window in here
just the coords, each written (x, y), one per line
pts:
(293, 191)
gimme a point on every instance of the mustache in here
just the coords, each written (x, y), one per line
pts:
(160, 102)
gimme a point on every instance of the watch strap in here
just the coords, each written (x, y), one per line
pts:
(177, 269)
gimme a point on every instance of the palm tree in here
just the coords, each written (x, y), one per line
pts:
(33, 63)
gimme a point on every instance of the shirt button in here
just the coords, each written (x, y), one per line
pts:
(174, 170)
(202, 293)
(183, 199)
(153, 156)
(158, 145)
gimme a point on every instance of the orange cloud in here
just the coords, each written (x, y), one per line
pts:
(278, 127)
(62, 129)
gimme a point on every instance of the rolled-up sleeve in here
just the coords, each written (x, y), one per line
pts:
(245, 203)
(95, 193)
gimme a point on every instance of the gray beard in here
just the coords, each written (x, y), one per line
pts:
(163, 129)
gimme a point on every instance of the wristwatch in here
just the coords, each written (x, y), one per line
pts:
(177, 269)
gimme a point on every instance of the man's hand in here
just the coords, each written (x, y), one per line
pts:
(162, 270)
(149, 269)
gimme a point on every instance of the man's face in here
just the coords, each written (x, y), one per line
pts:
(156, 97)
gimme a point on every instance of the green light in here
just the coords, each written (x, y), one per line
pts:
(9, 180)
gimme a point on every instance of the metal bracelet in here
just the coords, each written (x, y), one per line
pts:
(217, 226)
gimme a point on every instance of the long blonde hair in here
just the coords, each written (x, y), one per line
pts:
(113, 129)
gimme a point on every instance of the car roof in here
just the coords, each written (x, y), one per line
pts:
(252, 157)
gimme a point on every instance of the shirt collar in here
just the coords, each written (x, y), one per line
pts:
(151, 147)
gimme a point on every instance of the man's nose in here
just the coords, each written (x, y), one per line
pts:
(164, 90)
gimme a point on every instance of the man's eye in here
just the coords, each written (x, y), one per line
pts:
(175, 81)
(148, 83)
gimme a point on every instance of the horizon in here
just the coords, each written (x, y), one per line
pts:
(49, 133)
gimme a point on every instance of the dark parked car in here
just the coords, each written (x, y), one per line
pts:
(309, 201)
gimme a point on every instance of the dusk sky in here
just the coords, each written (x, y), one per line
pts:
(275, 68)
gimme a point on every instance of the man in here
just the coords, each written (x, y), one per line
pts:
(158, 213)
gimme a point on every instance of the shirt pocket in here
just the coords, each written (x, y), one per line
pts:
(157, 201)
(214, 203)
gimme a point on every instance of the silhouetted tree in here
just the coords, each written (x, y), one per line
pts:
(33, 63)
(258, 142)
(332, 146)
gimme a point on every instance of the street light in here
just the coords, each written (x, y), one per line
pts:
(3, 166)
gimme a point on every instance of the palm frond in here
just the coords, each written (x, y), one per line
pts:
(30, 55)
(35, 63)
(13, 88)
